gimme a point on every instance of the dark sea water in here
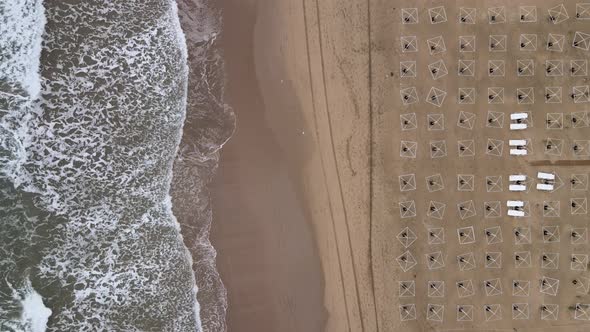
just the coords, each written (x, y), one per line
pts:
(107, 142)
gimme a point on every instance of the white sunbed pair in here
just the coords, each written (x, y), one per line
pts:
(517, 178)
(518, 147)
(512, 211)
(518, 125)
(548, 177)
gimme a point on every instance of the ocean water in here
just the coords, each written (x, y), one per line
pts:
(107, 143)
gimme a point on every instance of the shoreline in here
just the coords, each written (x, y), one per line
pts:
(267, 255)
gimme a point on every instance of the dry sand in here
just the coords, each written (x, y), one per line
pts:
(305, 207)
(389, 165)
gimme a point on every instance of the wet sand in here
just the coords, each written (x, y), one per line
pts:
(291, 199)
(261, 229)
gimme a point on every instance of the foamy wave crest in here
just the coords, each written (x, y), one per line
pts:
(21, 307)
(20, 49)
(20, 46)
(33, 313)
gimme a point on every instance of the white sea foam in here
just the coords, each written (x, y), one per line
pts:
(21, 29)
(20, 43)
(34, 314)
(21, 33)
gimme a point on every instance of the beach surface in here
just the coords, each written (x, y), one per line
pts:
(306, 199)
(291, 206)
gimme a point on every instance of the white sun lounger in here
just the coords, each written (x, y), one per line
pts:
(518, 126)
(516, 187)
(515, 213)
(546, 176)
(518, 116)
(517, 142)
(544, 187)
(518, 152)
(514, 203)
(517, 177)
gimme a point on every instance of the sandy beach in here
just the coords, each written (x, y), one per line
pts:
(266, 250)
(306, 199)
(291, 196)
(497, 273)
